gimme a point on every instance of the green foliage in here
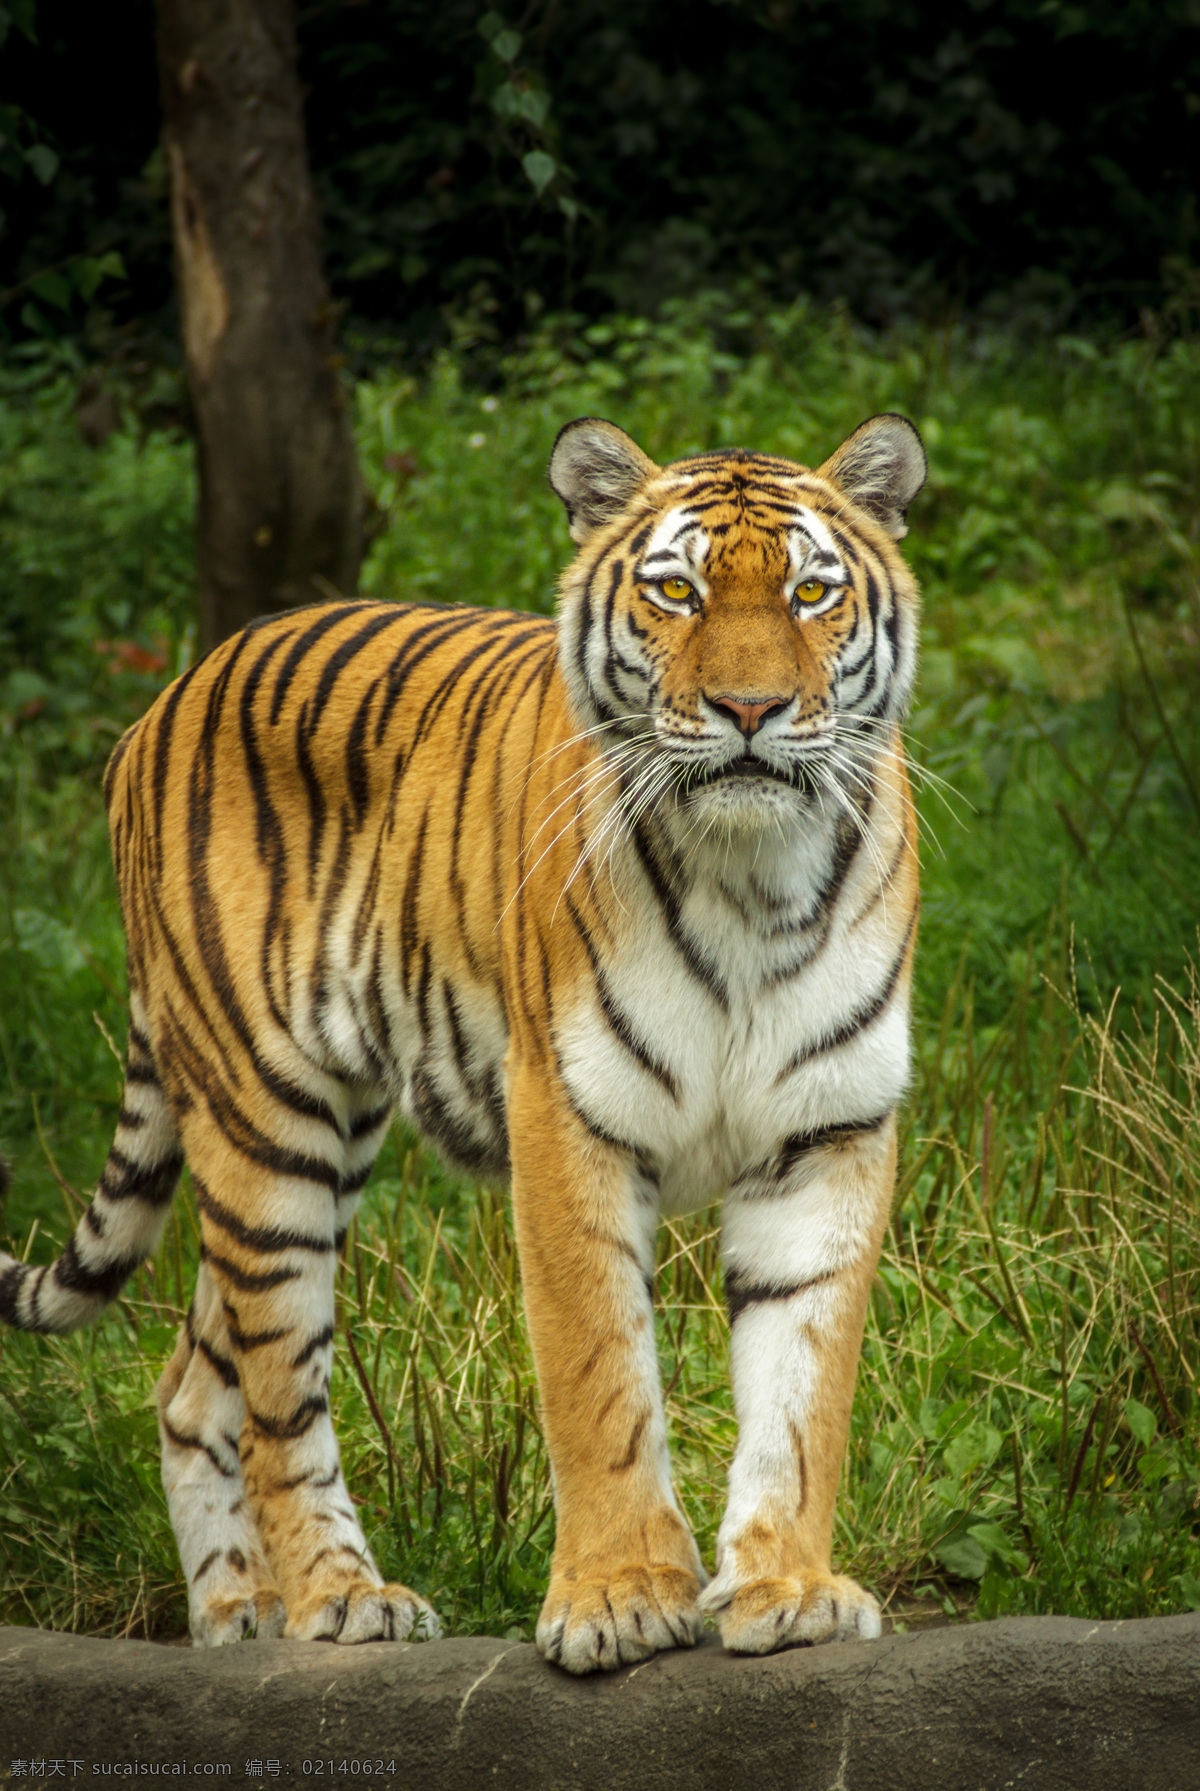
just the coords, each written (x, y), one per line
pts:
(1025, 1434)
(484, 164)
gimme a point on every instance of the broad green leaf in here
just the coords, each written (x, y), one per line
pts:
(506, 44)
(1141, 1421)
(963, 1555)
(534, 106)
(973, 1447)
(52, 289)
(999, 1547)
(927, 1418)
(43, 161)
(540, 169)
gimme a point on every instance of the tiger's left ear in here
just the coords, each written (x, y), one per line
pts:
(881, 467)
(595, 468)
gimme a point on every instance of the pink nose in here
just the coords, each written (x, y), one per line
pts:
(747, 715)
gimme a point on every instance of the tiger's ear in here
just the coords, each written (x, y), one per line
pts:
(881, 467)
(595, 468)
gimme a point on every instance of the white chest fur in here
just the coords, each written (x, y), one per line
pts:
(755, 1008)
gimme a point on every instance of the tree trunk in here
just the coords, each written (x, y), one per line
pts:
(280, 505)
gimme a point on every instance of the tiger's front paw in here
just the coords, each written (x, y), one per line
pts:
(242, 1618)
(363, 1612)
(764, 1614)
(597, 1623)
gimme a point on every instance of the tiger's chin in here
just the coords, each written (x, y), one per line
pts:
(749, 804)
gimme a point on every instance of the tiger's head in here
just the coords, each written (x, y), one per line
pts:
(738, 631)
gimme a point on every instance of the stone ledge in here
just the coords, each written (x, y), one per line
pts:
(1046, 1703)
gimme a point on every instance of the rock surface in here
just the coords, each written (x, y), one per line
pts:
(1048, 1704)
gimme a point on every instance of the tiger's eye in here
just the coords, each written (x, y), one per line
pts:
(810, 590)
(676, 590)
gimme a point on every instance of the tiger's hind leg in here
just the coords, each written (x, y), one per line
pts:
(232, 1595)
(272, 1223)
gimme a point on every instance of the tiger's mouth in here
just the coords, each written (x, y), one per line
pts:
(748, 768)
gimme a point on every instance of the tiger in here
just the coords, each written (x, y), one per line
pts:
(619, 903)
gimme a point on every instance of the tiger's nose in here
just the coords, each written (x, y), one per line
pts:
(747, 715)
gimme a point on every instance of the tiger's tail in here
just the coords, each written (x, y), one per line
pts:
(124, 1218)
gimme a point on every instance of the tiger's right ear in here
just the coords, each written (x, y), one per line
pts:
(595, 469)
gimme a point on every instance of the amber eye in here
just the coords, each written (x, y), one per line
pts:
(676, 590)
(810, 590)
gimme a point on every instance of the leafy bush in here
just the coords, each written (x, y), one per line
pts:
(903, 158)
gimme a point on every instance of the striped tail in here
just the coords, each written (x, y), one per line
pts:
(124, 1219)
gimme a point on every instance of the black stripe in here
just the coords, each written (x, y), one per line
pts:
(487, 693)
(185, 1442)
(886, 881)
(303, 645)
(11, 1281)
(704, 972)
(586, 623)
(239, 1131)
(107, 1280)
(367, 1122)
(358, 1178)
(618, 1021)
(500, 648)
(740, 1292)
(316, 797)
(420, 644)
(409, 902)
(243, 1278)
(255, 1237)
(457, 1137)
(347, 650)
(335, 883)
(821, 1137)
(312, 1346)
(300, 1422)
(162, 752)
(873, 610)
(154, 1182)
(498, 747)
(610, 605)
(247, 1340)
(205, 1565)
(458, 1037)
(223, 1366)
(859, 1020)
(358, 764)
(637, 1151)
(269, 835)
(114, 762)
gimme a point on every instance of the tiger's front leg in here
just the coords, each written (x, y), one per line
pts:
(625, 1575)
(801, 1242)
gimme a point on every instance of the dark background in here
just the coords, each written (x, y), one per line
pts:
(1036, 161)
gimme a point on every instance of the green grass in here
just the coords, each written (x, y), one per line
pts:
(1025, 1436)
